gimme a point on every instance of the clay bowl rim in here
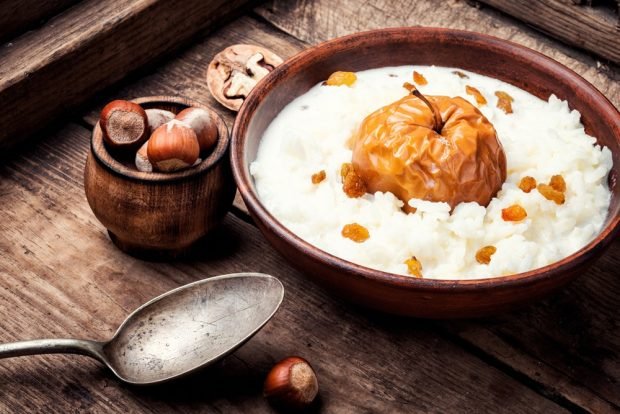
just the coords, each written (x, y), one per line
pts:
(102, 154)
(246, 188)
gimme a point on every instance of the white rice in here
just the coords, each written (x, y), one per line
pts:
(540, 139)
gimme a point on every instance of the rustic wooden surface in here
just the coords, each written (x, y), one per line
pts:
(594, 29)
(90, 46)
(18, 16)
(61, 276)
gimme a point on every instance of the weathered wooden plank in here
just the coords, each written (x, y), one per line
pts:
(319, 20)
(61, 276)
(595, 30)
(18, 16)
(566, 345)
(89, 47)
(185, 75)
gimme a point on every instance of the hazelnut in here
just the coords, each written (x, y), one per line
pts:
(124, 124)
(291, 384)
(234, 71)
(158, 117)
(142, 159)
(173, 146)
(203, 124)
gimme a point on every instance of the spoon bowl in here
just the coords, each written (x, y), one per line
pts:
(178, 332)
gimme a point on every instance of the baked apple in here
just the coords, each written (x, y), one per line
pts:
(434, 148)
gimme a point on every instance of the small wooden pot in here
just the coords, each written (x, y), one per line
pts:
(159, 215)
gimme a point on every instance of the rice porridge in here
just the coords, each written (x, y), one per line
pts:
(552, 200)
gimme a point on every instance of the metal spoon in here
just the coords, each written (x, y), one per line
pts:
(178, 332)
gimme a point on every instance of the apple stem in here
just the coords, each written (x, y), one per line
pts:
(438, 124)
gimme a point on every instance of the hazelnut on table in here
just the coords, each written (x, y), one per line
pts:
(291, 384)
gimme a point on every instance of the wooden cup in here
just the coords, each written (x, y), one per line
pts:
(159, 215)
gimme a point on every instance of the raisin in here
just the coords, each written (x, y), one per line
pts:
(483, 256)
(470, 90)
(341, 78)
(352, 184)
(414, 266)
(460, 74)
(504, 101)
(419, 78)
(551, 193)
(344, 170)
(318, 177)
(527, 184)
(355, 232)
(514, 213)
(558, 183)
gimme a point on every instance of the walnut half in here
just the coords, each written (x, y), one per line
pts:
(236, 70)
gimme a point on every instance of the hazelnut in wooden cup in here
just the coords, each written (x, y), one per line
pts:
(158, 215)
(124, 125)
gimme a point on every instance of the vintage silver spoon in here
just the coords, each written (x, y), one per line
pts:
(178, 332)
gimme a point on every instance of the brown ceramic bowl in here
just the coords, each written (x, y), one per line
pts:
(159, 215)
(479, 53)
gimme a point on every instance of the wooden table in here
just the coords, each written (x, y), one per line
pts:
(60, 276)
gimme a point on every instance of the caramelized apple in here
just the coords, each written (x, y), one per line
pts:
(432, 148)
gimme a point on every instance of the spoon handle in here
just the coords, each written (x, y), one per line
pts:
(52, 346)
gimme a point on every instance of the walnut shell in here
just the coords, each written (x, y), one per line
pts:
(234, 71)
(396, 149)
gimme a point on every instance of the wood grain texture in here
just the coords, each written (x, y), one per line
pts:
(319, 20)
(594, 30)
(61, 276)
(18, 16)
(91, 46)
